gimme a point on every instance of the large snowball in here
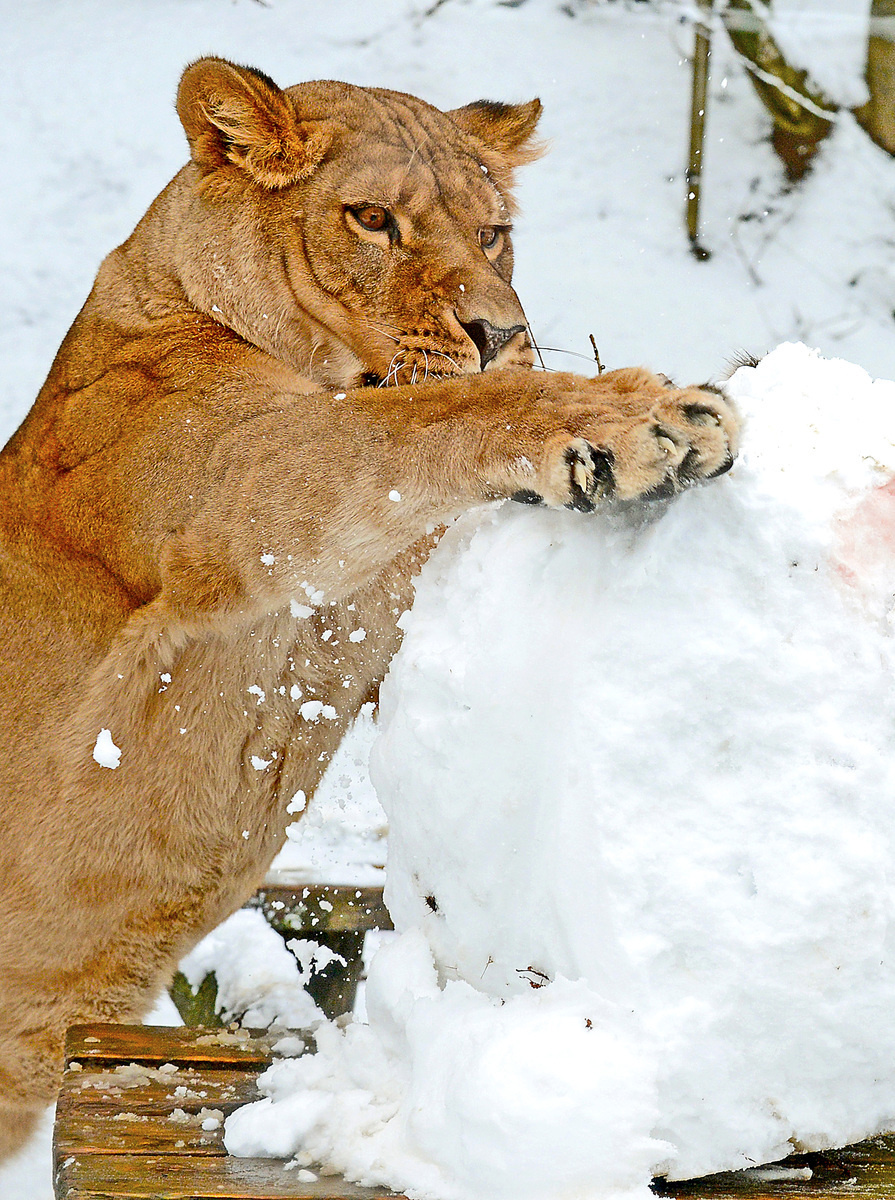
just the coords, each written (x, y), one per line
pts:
(640, 784)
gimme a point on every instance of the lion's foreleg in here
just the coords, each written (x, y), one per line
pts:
(311, 500)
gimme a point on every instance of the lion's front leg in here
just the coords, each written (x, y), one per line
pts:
(310, 501)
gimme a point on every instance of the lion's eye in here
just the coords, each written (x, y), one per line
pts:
(372, 216)
(489, 236)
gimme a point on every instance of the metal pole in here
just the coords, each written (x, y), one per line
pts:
(699, 99)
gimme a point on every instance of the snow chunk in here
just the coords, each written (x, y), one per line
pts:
(340, 837)
(313, 710)
(509, 1094)
(289, 1046)
(105, 752)
(312, 957)
(315, 595)
(298, 803)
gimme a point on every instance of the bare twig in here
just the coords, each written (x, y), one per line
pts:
(433, 9)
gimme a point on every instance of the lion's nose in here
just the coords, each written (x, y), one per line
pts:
(489, 340)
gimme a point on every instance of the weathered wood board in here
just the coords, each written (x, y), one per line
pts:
(321, 908)
(141, 1111)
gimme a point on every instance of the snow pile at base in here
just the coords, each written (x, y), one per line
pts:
(258, 979)
(642, 819)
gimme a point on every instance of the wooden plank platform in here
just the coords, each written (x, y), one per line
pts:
(125, 1177)
(141, 1111)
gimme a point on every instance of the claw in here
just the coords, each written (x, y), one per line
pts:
(724, 468)
(581, 476)
(590, 475)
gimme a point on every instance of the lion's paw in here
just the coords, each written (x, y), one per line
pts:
(684, 437)
(689, 436)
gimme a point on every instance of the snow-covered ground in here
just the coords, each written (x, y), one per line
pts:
(90, 135)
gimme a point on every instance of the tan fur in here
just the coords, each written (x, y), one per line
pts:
(209, 447)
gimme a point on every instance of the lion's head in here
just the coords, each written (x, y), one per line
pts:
(358, 234)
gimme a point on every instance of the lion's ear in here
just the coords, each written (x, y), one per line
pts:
(237, 115)
(506, 128)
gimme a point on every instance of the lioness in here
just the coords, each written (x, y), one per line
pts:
(306, 357)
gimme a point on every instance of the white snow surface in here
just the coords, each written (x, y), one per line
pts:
(600, 245)
(600, 241)
(639, 779)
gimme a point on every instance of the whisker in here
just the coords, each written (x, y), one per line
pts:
(390, 328)
(535, 344)
(385, 332)
(393, 367)
(441, 354)
(400, 361)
